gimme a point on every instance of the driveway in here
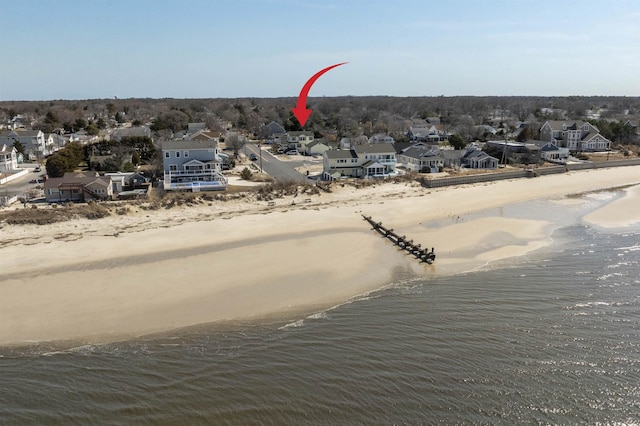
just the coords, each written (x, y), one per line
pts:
(271, 165)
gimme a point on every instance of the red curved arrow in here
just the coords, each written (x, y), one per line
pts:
(300, 111)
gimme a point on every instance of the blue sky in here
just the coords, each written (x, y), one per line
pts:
(80, 49)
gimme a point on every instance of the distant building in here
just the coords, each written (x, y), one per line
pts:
(381, 138)
(274, 128)
(127, 132)
(35, 145)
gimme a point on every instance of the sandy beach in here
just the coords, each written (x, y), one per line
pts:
(245, 259)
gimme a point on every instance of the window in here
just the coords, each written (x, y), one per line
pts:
(167, 154)
(177, 154)
(186, 154)
(173, 168)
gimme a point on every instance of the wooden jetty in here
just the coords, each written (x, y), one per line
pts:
(401, 241)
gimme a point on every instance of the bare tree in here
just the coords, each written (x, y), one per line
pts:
(234, 142)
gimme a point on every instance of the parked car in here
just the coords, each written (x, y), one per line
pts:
(253, 157)
(293, 152)
(37, 169)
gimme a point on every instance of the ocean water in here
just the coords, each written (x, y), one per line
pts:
(550, 338)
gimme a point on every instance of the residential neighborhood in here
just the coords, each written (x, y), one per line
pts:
(127, 149)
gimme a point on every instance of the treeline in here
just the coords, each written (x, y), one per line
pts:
(341, 116)
(140, 149)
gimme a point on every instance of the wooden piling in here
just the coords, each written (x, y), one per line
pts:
(416, 250)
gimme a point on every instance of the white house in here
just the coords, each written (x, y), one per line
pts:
(8, 159)
(553, 153)
(425, 133)
(368, 160)
(55, 142)
(317, 147)
(34, 142)
(299, 140)
(381, 138)
(192, 165)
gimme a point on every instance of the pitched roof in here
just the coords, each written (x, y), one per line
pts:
(316, 142)
(549, 147)
(7, 148)
(451, 154)
(202, 135)
(340, 153)
(128, 132)
(300, 133)
(189, 144)
(422, 152)
(21, 133)
(557, 125)
(374, 148)
(78, 178)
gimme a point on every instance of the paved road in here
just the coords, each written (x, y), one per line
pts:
(21, 185)
(279, 170)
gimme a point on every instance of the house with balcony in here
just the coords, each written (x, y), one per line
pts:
(8, 159)
(193, 165)
(426, 133)
(361, 161)
(574, 135)
(34, 142)
(423, 159)
(78, 187)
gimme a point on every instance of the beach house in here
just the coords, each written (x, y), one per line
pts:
(367, 160)
(78, 187)
(192, 165)
(421, 159)
(574, 135)
(476, 159)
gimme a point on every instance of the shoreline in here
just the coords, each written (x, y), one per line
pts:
(235, 261)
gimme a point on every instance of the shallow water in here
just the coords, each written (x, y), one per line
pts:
(551, 338)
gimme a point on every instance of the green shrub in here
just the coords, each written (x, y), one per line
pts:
(246, 174)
